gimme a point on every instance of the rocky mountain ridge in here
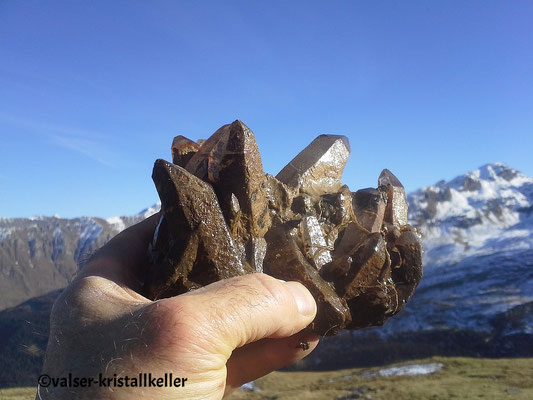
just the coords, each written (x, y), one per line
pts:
(41, 254)
(481, 212)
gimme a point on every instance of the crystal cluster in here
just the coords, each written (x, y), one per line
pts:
(222, 216)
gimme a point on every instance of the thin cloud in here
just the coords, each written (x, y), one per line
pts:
(76, 139)
(87, 147)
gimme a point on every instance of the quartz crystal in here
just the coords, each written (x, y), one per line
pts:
(396, 210)
(222, 216)
(182, 150)
(193, 246)
(319, 166)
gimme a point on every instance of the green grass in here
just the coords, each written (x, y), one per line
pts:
(18, 393)
(460, 378)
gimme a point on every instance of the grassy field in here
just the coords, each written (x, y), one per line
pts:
(460, 378)
(17, 393)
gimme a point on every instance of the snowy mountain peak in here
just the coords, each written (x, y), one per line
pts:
(147, 212)
(485, 210)
(121, 222)
(497, 173)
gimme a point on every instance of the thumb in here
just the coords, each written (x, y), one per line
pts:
(247, 308)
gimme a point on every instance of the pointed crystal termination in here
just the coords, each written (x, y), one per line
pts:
(193, 245)
(203, 159)
(369, 208)
(231, 162)
(396, 210)
(318, 167)
(284, 260)
(182, 150)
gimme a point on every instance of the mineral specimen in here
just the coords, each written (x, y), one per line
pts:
(222, 216)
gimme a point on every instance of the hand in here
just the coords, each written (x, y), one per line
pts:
(217, 337)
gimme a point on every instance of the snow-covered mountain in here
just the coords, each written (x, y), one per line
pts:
(482, 212)
(41, 254)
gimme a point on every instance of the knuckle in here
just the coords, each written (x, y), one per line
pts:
(267, 288)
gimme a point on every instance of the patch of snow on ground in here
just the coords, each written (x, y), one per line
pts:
(458, 205)
(407, 370)
(249, 386)
(5, 232)
(90, 230)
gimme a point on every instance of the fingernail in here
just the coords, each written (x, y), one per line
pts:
(305, 301)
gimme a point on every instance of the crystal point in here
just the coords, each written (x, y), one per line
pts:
(396, 210)
(182, 150)
(192, 221)
(319, 166)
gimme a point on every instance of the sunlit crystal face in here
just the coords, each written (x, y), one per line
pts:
(319, 166)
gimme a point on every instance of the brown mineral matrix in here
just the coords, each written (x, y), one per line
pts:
(222, 216)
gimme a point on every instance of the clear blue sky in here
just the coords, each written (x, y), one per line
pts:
(92, 92)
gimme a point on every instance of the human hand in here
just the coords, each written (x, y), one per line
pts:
(217, 337)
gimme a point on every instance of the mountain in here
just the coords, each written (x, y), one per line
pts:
(41, 254)
(485, 211)
(475, 299)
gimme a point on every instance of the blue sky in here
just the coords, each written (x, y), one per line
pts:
(92, 92)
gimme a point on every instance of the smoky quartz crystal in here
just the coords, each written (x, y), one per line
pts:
(222, 216)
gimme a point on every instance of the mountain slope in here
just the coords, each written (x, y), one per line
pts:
(41, 254)
(482, 212)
